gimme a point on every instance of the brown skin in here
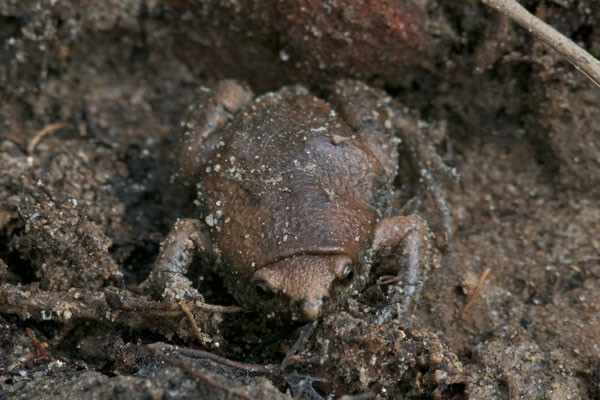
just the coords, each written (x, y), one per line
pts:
(296, 198)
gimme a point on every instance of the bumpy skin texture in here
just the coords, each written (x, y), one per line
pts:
(296, 198)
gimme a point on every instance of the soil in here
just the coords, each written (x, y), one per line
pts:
(92, 95)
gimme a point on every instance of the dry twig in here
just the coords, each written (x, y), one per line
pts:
(581, 59)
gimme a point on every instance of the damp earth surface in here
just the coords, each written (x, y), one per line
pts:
(93, 96)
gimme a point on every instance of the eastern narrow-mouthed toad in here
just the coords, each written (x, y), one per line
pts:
(295, 197)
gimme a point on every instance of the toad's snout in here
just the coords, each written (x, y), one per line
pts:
(305, 280)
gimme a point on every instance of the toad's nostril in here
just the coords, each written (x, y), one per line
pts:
(263, 291)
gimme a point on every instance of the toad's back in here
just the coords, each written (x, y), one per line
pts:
(290, 177)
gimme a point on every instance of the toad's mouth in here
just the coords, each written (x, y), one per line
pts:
(306, 251)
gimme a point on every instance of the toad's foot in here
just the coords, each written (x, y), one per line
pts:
(405, 241)
(167, 278)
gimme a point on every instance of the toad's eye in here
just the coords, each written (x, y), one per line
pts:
(263, 291)
(347, 274)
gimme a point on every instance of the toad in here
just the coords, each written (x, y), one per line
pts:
(295, 197)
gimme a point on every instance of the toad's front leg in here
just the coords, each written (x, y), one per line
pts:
(203, 126)
(167, 279)
(404, 240)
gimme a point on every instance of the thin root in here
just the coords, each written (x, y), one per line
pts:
(36, 343)
(382, 280)
(475, 293)
(301, 340)
(387, 279)
(195, 353)
(190, 369)
(218, 308)
(184, 307)
(45, 131)
(192, 320)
